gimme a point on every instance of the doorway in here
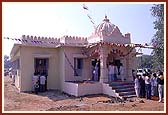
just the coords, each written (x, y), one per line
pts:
(117, 64)
(41, 68)
(93, 63)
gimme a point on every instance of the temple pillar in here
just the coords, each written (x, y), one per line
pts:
(129, 69)
(103, 65)
(124, 62)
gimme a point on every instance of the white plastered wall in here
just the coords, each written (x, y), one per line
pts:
(18, 71)
(27, 67)
(69, 71)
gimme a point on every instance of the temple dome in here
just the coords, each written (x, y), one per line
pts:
(105, 27)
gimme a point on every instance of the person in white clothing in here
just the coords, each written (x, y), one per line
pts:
(42, 83)
(154, 85)
(137, 86)
(35, 80)
(148, 86)
(110, 72)
(95, 72)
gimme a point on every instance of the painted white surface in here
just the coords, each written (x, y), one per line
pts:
(59, 68)
(82, 89)
(89, 88)
(108, 90)
(70, 88)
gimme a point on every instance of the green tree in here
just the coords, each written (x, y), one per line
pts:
(144, 61)
(157, 12)
(7, 62)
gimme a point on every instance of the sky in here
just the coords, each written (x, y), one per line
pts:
(59, 19)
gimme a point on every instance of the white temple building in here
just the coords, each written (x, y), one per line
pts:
(68, 61)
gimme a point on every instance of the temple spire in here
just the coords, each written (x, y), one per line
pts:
(105, 16)
(105, 19)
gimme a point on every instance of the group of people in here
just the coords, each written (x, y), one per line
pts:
(149, 85)
(114, 72)
(39, 82)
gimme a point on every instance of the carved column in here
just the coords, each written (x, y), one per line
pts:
(103, 65)
(129, 69)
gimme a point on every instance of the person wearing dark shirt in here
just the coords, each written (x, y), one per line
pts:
(142, 87)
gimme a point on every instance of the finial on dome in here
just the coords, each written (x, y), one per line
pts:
(105, 16)
(107, 20)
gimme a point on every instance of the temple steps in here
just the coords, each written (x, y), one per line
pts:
(123, 88)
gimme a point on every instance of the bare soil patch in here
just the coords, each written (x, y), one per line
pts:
(54, 100)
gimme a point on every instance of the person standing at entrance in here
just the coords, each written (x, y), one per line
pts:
(34, 80)
(92, 77)
(95, 72)
(42, 83)
(110, 72)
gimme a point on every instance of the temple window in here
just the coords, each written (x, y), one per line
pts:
(78, 66)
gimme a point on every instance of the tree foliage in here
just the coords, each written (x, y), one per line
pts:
(144, 61)
(7, 62)
(157, 12)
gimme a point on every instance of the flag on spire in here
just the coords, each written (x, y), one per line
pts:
(85, 7)
(89, 16)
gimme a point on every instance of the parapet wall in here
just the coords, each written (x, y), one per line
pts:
(33, 40)
(74, 39)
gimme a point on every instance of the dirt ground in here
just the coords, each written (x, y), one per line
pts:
(55, 100)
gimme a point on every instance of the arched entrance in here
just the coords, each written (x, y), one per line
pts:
(115, 59)
(109, 54)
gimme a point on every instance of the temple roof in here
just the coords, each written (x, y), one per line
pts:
(105, 26)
